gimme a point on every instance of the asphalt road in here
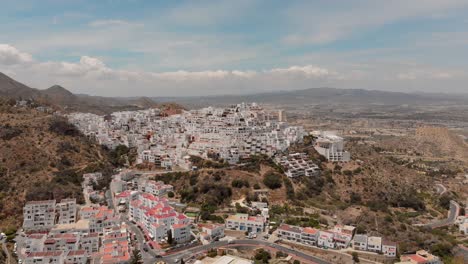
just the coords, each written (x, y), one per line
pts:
(440, 189)
(187, 253)
(7, 252)
(151, 256)
(453, 213)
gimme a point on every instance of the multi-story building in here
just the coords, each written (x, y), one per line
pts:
(298, 165)
(55, 257)
(325, 239)
(331, 147)
(360, 242)
(244, 222)
(66, 211)
(374, 244)
(76, 257)
(33, 243)
(39, 215)
(156, 217)
(298, 234)
(309, 236)
(211, 231)
(156, 188)
(291, 233)
(389, 248)
(59, 238)
(181, 233)
(62, 242)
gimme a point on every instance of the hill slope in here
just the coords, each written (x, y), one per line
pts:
(41, 157)
(12, 89)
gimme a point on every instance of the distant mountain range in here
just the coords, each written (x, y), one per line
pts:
(59, 96)
(321, 96)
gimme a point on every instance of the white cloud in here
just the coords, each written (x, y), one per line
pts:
(312, 24)
(429, 74)
(9, 55)
(309, 71)
(91, 75)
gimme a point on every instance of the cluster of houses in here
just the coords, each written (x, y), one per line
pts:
(65, 233)
(340, 236)
(297, 165)
(159, 220)
(226, 134)
(146, 204)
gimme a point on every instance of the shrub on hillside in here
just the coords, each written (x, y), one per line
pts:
(62, 127)
(240, 183)
(7, 132)
(272, 180)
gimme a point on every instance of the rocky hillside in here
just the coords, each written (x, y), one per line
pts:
(41, 157)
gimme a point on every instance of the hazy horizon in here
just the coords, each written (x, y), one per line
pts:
(182, 48)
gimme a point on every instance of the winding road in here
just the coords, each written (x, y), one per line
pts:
(440, 189)
(188, 253)
(7, 253)
(453, 213)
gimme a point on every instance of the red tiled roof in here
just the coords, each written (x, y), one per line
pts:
(178, 226)
(310, 231)
(45, 254)
(76, 252)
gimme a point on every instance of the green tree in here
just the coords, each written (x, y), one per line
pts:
(272, 180)
(355, 257)
(296, 261)
(170, 239)
(136, 257)
(262, 256)
(170, 194)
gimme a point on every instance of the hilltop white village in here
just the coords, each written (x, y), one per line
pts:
(142, 209)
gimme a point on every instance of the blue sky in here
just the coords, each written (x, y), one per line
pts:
(161, 48)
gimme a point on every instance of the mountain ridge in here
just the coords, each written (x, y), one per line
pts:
(59, 96)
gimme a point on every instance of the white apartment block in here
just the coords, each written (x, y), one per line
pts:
(56, 257)
(212, 231)
(244, 222)
(156, 188)
(39, 215)
(331, 146)
(325, 239)
(156, 217)
(181, 233)
(389, 248)
(306, 235)
(360, 242)
(66, 211)
(66, 240)
(374, 244)
(298, 165)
